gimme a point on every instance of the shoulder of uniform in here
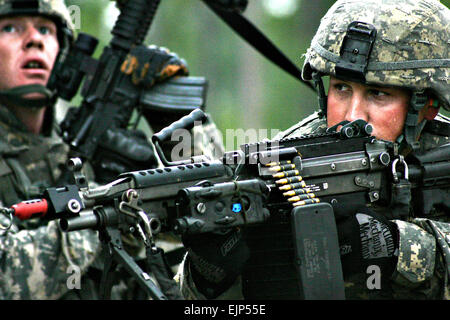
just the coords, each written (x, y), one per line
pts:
(11, 142)
(435, 133)
(311, 124)
(440, 125)
(417, 249)
(5, 145)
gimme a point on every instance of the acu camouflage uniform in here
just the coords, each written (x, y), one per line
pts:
(34, 256)
(411, 51)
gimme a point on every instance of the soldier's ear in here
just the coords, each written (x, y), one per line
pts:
(431, 109)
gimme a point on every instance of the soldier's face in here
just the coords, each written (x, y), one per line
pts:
(28, 49)
(384, 108)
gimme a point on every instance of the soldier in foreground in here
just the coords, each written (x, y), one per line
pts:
(388, 64)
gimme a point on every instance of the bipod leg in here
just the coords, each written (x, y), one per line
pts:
(107, 280)
(117, 255)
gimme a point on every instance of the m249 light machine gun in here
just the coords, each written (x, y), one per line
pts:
(281, 192)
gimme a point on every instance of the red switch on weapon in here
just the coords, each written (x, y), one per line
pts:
(30, 209)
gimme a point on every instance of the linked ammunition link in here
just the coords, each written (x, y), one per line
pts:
(291, 184)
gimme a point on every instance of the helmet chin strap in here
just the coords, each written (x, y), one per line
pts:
(412, 128)
(321, 96)
(15, 96)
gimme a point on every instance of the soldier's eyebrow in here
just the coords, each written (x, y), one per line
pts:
(377, 87)
(366, 86)
(338, 80)
(7, 19)
(42, 19)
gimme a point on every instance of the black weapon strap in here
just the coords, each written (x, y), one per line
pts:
(258, 40)
(15, 96)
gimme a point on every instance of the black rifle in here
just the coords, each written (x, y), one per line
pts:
(109, 96)
(287, 185)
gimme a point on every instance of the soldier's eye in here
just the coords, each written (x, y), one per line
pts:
(8, 28)
(341, 87)
(44, 30)
(378, 93)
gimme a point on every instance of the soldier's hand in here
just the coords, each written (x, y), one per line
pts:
(366, 239)
(216, 260)
(120, 151)
(149, 65)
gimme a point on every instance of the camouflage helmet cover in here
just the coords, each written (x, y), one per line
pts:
(411, 48)
(55, 10)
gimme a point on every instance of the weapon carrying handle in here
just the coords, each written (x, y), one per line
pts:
(186, 122)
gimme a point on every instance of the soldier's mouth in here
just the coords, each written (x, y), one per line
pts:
(34, 64)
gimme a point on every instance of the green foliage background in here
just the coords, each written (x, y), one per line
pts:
(245, 89)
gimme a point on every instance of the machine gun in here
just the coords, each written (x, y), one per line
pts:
(290, 183)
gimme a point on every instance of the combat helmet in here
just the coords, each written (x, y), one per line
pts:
(401, 43)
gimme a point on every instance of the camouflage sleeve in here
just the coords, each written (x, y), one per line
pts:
(190, 292)
(423, 268)
(35, 264)
(311, 124)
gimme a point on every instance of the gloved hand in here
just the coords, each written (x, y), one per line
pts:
(366, 238)
(216, 260)
(149, 65)
(121, 150)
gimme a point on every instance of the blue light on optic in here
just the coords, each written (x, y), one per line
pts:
(237, 207)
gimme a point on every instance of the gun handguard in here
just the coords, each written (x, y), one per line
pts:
(187, 122)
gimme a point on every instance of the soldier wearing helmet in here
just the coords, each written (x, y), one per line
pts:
(31, 155)
(38, 260)
(406, 48)
(388, 63)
